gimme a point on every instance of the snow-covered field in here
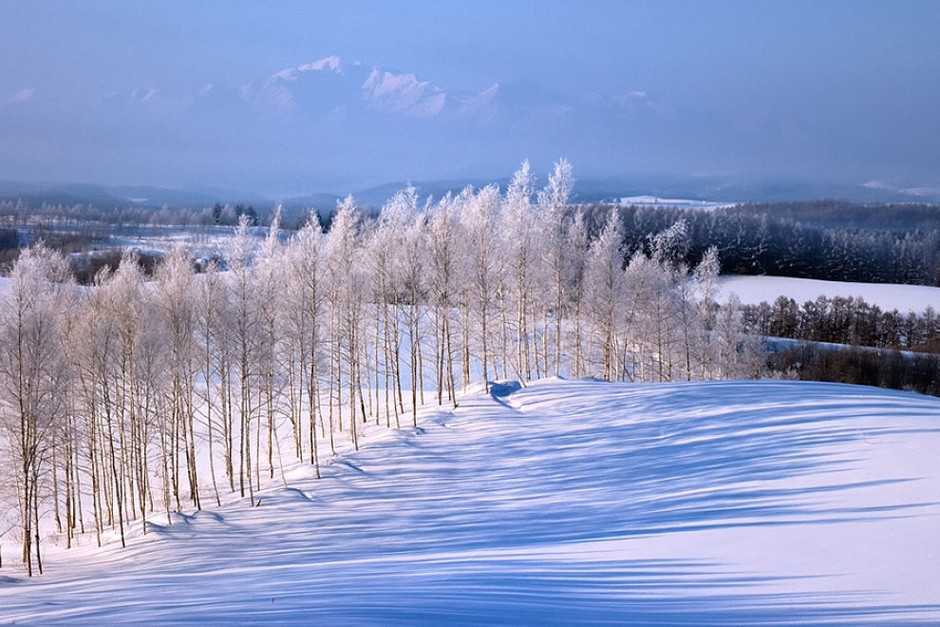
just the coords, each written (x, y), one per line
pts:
(752, 290)
(564, 502)
(677, 203)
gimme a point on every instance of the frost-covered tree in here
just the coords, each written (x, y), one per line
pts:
(344, 262)
(484, 259)
(409, 274)
(553, 201)
(578, 248)
(244, 328)
(177, 307)
(119, 399)
(306, 319)
(33, 380)
(605, 282)
(521, 241)
(443, 262)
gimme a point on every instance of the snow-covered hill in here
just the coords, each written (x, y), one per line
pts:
(564, 502)
(753, 290)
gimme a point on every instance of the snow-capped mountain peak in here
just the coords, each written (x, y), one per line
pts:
(403, 93)
(331, 63)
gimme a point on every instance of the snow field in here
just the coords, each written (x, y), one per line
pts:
(562, 502)
(752, 290)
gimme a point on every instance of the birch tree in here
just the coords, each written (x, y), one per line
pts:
(33, 379)
(483, 256)
(553, 201)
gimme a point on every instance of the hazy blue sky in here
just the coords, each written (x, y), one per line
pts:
(113, 91)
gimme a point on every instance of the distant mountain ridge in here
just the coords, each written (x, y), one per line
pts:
(586, 190)
(333, 123)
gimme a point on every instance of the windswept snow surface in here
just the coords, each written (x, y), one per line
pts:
(752, 290)
(563, 502)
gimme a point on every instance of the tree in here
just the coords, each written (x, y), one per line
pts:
(306, 267)
(553, 201)
(443, 263)
(33, 378)
(479, 220)
(118, 391)
(520, 232)
(605, 280)
(345, 299)
(244, 322)
(578, 248)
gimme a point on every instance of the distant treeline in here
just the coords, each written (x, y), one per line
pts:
(84, 266)
(754, 240)
(65, 242)
(219, 214)
(880, 368)
(19, 213)
(872, 342)
(845, 321)
(836, 213)
(838, 241)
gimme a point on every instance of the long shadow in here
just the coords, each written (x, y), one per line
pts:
(442, 526)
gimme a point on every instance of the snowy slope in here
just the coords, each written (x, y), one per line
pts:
(752, 290)
(563, 502)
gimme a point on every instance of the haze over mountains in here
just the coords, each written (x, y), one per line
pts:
(313, 131)
(307, 111)
(665, 190)
(724, 100)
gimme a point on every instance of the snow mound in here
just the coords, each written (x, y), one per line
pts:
(563, 502)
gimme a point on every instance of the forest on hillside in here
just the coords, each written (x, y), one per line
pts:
(752, 240)
(830, 240)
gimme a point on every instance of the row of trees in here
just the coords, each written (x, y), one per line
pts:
(891, 216)
(26, 213)
(753, 240)
(132, 399)
(860, 366)
(879, 243)
(846, 321)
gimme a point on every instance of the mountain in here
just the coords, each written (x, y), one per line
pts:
(333, 123)
(117, 196)
(609, 189)
(334, 87)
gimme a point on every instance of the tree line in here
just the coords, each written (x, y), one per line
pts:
(830, 240)
(129, 400)
(919, 372)
(754, 241)
(25, 213)
(875, 347)
(844, 320)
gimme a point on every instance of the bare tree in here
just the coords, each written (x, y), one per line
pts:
(479, 219)
(553, 201)
(33, 379)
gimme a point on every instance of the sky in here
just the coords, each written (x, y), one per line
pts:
(181, 93)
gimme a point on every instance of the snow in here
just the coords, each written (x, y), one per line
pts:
(678, 203)
(752, 290)
(566, 501)
(403, 93)
(331, 63)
